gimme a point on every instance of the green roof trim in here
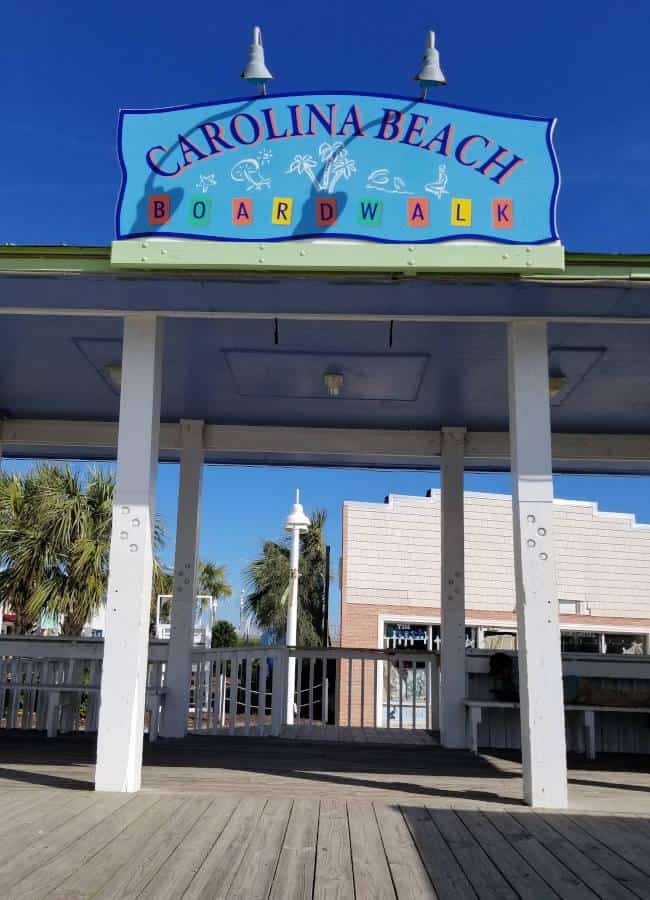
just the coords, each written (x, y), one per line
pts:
(69, 260)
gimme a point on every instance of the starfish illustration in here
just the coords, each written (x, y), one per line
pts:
(205, 182)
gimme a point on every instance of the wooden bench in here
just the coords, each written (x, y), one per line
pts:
(60, 698)
(475, 716)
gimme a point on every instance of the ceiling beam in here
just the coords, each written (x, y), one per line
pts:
(360, 446)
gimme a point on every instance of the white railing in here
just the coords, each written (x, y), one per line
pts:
(245, 689)
(54, 684)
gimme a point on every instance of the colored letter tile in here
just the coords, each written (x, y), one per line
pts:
(282, 211)
(418, 212)
(502, 214)
(242, 211)
(461, 212)
(200, 209)
(326, 211)
(370, 211)
(159, 209)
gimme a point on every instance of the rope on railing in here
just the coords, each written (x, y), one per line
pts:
(252, 690)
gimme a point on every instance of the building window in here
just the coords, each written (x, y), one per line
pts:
(404, 688)
(568, 607)
(499, 639)
(632, 644)
(400, 634)
(580, 642)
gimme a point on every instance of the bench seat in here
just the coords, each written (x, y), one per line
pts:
(475, 715)
(63, 696)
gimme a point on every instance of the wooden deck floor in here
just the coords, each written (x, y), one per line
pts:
(254, 818)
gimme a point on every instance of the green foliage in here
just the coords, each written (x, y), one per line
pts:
(55, 531)
(210, 579)
(224, 634)
(268, 580)
(23, 560)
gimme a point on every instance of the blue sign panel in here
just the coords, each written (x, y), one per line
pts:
(342, 165)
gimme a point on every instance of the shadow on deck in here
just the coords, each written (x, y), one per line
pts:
(276, 767)
(260, 818)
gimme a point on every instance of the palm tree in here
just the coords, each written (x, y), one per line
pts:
(23, 557)
(77, 517)
(268, 579)
(212, 580)
(55, 531)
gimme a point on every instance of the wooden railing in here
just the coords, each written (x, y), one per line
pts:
(245, 689)
(54, 684)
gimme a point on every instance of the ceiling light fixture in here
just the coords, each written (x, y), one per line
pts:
(114, 374)
(556, 384)
(333, 383)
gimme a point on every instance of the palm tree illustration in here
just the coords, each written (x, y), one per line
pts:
(337, 165)
(304, 164)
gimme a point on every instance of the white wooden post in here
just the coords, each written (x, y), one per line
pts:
(453, 731)
(126, 642)
(297, 522)
(543, 739)
(292, 623)
(179, 662)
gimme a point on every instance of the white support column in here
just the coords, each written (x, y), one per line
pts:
(543, 739)
(452, 589)
(292, 623)
(296, 524)
(179, 661)
(126, 643)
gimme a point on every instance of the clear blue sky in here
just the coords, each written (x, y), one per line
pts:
(245, 505)
(67, 68)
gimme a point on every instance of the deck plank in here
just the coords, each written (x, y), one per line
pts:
(563, 881)
(449, 880)
(574, 856)
(50, 843)
(625, 874)
(254, 876)
(30, 812)
(177, 872)
(372, 876)
(486, 879)
(409, 875)
(45, 877)
(87, 880)
(215, 876)
(14, 802)
(613, 832)
(294, 877)
(43, 821)
(135, 876)
(515, 869)
(334, 878)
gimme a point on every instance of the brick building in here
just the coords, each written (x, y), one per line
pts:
(390, 575)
